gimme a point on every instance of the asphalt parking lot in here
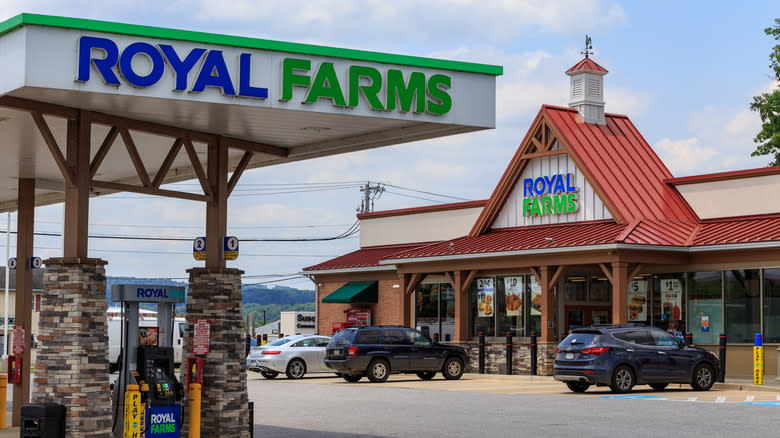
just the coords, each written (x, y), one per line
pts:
(733, 392)
(502, 406)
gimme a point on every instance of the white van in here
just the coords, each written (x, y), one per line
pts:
(147, 324)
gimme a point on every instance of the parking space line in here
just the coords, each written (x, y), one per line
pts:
(721, 399)
(750, 398)
(693, 398)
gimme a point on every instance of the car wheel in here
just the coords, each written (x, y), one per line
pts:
(659, 386)
(622, 380)
(578, 386)
(378, 370)
(453, 368)
(703, 377)
(351, 379)
(426, 375)
(296, 368)
(269, 374)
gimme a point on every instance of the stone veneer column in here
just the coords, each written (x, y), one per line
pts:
(215, 294)
(72, 363)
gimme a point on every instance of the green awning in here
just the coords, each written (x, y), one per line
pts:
(354, 292)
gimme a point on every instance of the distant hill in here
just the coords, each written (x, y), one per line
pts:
(255, 298)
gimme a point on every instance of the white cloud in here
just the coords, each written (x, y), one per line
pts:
(682, 156)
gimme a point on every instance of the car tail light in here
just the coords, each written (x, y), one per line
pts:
(272, 352)
(352, 352)
(595, 350)
(557, 350)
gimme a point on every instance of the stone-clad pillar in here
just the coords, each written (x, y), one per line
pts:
(72, 363)
(215, 294)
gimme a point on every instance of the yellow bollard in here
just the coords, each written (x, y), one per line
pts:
(3, 395)
(133, 409)
(194, 410)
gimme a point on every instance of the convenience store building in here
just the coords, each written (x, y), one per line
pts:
(585, 226)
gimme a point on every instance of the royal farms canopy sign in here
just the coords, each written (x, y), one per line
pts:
(284, 101)
(110, 58)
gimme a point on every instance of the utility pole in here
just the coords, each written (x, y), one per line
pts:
(369, 194)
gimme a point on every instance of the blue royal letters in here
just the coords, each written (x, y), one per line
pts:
(213, 71)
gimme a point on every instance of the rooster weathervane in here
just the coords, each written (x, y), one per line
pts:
(588, 47)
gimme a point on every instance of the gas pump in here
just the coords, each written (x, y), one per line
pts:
(146, 362)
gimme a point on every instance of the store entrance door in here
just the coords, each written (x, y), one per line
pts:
(584, 316)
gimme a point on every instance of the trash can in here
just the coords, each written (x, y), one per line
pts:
(43, 420)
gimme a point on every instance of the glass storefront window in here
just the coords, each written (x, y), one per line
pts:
(434, 310)
(668, 303)
(638, 303)
(705, 294)
(482, 307)
(534, 296)
(511, 306)
(426, 309)
(742, 304)
(447, 312)
(498, 305)
(772, 305)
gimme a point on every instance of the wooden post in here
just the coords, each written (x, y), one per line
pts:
(76, 226)
(216, 207)
(23, 307)
(620, 292)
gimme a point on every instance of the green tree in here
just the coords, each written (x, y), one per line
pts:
(768, 107)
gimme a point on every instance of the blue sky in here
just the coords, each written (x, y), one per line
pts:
(684, 72)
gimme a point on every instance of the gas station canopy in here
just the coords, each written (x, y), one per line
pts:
(150, 92)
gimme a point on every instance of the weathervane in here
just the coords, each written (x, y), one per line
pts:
(588, 47)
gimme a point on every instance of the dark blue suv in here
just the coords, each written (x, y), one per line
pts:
(623, 356)
(378, 351)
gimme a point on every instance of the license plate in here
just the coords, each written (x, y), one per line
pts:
(336, 352)
(569, 356)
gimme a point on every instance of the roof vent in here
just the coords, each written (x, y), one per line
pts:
(587, 88)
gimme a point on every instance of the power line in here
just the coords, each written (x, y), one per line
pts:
(200, 227)
(352, 230)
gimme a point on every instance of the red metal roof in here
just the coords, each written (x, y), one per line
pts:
(658, 232)
(738, 230)
(522, 238)
(586, 64)
(362, 258)
(621, 164)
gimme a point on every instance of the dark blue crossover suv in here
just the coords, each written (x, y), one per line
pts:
(623, 356)
(378, 351)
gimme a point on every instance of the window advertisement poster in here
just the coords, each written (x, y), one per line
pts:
(485, 294)
(637, 300)
(513, 293)
(671, 300)
(535, 291)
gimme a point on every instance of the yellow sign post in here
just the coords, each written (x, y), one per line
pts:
(133, 412)
(758, 360)
(3, 395)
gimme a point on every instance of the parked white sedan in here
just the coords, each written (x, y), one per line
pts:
(293, 355)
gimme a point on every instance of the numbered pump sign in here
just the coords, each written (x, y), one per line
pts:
(199, 248)
(230, 247)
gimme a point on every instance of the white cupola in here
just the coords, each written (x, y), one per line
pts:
(587, 88)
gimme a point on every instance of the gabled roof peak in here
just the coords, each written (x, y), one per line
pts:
(587, 64)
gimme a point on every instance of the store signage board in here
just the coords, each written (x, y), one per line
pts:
(200, 67)
(549, 195)
(200, 339)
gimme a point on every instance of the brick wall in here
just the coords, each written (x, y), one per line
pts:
(215, 294)
(72, 359)
(495, 358)
(384, 312)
